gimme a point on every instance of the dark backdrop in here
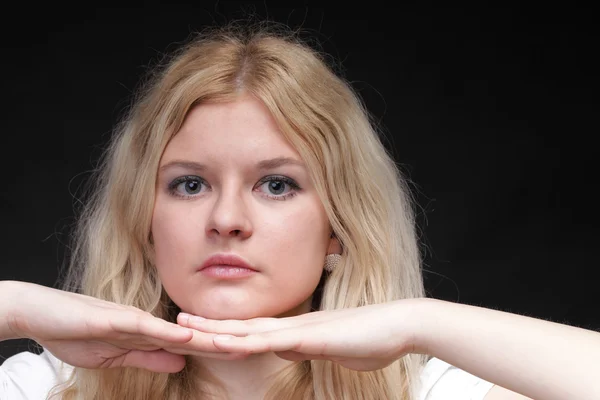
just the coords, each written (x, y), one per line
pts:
(490, 112)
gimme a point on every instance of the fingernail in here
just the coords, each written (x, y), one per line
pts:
(222, 338)
(184, 316)
(190, 319)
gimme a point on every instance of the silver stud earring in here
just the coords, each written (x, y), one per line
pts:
(331, 261)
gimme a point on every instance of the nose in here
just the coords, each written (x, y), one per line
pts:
(229, 216)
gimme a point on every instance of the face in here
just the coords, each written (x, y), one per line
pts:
(238, 229)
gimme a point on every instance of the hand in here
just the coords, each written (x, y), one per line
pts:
(87, 332)
(364, 338)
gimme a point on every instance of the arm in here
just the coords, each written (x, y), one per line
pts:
(523, 356)
(539, 359)
(87, 332)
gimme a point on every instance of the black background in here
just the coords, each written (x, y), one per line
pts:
(492, 113)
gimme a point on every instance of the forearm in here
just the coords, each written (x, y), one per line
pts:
(539, 359)
(9, 291)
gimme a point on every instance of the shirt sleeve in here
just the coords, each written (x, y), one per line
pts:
(29, 376)
(442, 381)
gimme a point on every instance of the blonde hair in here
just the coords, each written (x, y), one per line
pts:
(365, 197)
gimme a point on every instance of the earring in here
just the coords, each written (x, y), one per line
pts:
(331, 261)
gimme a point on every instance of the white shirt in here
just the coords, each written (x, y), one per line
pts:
(28, 376)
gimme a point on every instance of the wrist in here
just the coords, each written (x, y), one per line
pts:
(10, 315)
(425, 324)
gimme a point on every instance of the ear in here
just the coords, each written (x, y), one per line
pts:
(334, 245)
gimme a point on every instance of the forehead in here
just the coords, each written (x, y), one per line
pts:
(237, 130)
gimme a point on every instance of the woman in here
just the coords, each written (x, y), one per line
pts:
(250, 238)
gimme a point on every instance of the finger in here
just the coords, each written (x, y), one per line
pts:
(148, 325)
(249, 326)
(232, 327)
(280, 340)
(310, 339)
(201, 344)
(155, 361)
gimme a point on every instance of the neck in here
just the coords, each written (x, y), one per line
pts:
(251, 377)
(246, 379)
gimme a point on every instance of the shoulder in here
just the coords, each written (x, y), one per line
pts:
(31, 376)
(442, 381)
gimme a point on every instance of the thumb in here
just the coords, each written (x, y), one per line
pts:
(156, 361)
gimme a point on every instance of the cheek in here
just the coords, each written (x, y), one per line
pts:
(173, 231)
(298, 240)
(303, 247)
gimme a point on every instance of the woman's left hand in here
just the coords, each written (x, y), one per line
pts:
(362, 338)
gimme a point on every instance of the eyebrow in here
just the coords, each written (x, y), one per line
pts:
(263, 165)
(278, 162)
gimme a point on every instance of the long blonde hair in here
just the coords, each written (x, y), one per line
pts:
(366, 199)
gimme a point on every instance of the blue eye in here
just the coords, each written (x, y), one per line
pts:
(186, 186)
(274, 187)
(278, 187)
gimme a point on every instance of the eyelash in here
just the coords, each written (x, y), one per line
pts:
(172, 188)
(279, 178)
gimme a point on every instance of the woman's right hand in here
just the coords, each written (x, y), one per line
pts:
(87, 332)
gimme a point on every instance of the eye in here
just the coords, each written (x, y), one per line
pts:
(186, 186)
(278, 187)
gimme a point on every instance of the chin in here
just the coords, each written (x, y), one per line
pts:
(247, 310)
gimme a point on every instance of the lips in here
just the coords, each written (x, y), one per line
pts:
(226, 260)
